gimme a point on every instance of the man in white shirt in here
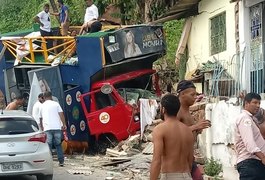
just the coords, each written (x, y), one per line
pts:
(91, 16)
(44, 19)
(53, 122)
(36, 108)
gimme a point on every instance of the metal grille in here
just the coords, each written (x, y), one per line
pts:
(218, 33)
(226, 75)
(256, 53)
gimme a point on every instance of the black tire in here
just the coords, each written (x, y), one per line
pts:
(45, 177)
(106, 141)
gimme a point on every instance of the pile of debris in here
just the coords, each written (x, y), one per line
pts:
(135, 144)
(129, 160)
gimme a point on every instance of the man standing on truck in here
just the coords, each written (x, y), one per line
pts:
(52, 123)
(91, 18)
(173, 144)
(63, 17)
(187, 95)
(44, 19)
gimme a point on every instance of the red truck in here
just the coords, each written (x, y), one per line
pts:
(99, 87)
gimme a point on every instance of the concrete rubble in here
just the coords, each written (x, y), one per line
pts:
(129, 160)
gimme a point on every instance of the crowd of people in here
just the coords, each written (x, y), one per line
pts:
(173, 139)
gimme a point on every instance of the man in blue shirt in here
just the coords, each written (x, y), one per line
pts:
(63, 17)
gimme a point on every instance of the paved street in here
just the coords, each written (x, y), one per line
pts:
(90, 167)
(60, 173)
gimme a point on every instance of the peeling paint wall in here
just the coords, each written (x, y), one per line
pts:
(218, 140)
(199, 39)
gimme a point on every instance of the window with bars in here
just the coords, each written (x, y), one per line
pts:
(218, 34)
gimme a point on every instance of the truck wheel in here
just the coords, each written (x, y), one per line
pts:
(106, 141)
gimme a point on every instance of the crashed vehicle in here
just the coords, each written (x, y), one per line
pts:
(97, 78)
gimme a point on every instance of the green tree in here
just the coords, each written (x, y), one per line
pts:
(17, 15)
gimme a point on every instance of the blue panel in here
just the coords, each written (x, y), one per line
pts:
(77, 126)
(2, 67)
(89, 62)
(89, 59)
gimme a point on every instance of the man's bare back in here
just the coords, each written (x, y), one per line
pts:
(12, 106)
(173, 143)
(178, 146)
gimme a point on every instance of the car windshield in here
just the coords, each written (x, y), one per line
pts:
(17, 125)
(132, 95)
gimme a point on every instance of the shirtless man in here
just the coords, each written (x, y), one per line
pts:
(187, 96)
(173, 144)
(16, 103)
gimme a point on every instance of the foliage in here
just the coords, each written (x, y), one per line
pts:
(157, 10)
(173, 30)
(16, 14)
(213, 167)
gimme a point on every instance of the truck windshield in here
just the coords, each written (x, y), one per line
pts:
(132, 95)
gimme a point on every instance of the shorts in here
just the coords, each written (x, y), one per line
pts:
(45, 33)
(175, 176)
(195, 172)
(95, 26)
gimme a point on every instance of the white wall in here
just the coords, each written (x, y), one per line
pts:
(244, 44)
(217, 141)
(199, 39)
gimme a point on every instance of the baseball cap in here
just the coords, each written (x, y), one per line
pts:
(184, 84)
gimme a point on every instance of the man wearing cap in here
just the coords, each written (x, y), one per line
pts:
(187, 96)
(63, 17)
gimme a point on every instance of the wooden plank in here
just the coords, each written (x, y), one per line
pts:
(183, 40)
(116, 162)
(2, 52)
(119, 158)
(115, 153)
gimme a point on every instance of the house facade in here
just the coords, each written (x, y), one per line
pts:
(229, 35)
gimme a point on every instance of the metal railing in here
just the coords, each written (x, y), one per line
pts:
(29, 48)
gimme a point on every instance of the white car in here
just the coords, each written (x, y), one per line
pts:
(23, 147)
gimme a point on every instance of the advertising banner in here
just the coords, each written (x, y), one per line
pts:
(133, 42)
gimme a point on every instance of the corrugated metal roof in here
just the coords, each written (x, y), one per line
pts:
(148, 149)
(181, 9)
